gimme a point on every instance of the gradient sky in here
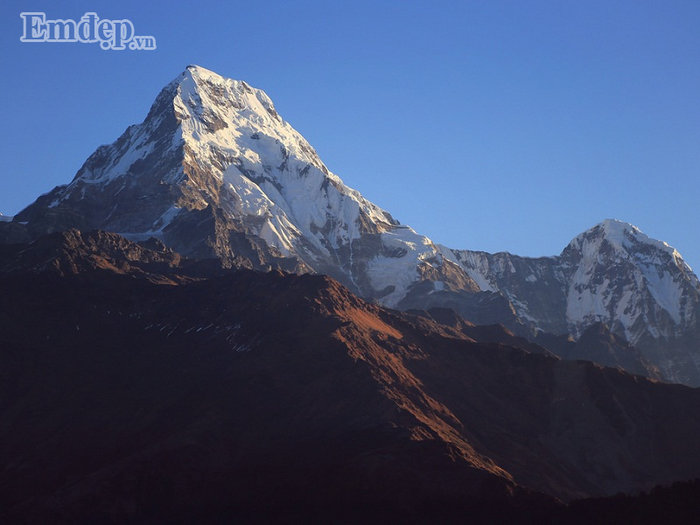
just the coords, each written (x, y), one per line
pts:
(488, 125)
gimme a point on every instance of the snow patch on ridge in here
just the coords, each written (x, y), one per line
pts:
(400, 272)
(476, 265)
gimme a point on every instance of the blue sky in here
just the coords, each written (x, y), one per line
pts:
(490, 125)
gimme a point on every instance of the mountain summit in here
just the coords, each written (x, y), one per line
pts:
(215, 172)
(620, 275)
(614, 274)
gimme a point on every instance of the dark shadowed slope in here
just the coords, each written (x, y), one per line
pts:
(127, 397)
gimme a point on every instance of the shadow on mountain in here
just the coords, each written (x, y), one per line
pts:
(139, 387)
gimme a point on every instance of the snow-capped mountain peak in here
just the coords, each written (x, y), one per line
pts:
(621, 276)
(214, 151)
(613, 274)
(624, 238)
(206, 103)
(264, 165)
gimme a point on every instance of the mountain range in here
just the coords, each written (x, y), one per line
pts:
(214, 171)
(208, 324)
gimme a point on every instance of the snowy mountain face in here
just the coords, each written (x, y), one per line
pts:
(5, 218)
(614, 274)
(617, 274)
(214, 151)
(214, 171)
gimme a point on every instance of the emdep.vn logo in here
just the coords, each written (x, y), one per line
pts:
(111, 34)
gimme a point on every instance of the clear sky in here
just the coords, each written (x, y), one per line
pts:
(484, 124)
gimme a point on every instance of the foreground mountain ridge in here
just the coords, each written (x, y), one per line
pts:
(139, 387)
(214, 171)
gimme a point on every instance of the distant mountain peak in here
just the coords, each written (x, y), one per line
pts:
(614, 274)
(622, 236)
